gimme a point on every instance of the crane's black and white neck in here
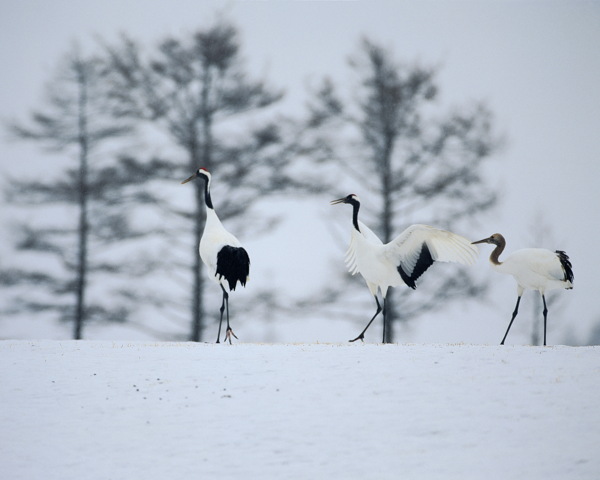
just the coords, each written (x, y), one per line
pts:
(205, 175)
(353, 200)
(226, 260)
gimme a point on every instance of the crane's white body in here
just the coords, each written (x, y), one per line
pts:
(534, 269)
(378, 263)
(226, 260)
(214, 238)
(401, 261)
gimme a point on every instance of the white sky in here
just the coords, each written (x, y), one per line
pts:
(537, 64)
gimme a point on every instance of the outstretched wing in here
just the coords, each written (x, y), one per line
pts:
(415, 250)
(368, 235)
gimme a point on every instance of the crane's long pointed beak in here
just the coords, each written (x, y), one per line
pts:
(483, 240)
(189, 179)
(339, 200)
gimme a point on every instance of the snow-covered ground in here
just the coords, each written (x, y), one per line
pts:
(113, 410)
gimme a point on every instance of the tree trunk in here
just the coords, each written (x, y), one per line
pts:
(391, 316)
(200, 158)
(198, 266)
(198, 283)
(387, 227)
(83, 227)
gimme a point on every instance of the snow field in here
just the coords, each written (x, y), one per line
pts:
(112, 410)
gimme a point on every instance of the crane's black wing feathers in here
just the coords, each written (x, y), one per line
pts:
(233, 263)
(423, 263)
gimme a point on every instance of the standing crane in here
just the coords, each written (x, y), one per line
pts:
(227, 261)
(401, 261)
(534, 269)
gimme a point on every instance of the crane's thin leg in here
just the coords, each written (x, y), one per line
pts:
(222, 309)
(545, 317)
(512, 319)
(229, 331)
(361, 337)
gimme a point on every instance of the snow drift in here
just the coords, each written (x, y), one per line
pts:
(103, 410)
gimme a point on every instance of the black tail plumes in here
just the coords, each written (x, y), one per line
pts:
(566, 264)
(233, 263)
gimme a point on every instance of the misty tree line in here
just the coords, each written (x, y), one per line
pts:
(115, 244)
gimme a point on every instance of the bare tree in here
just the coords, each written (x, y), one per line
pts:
(75, 121)
(195, 90)
(411, 164)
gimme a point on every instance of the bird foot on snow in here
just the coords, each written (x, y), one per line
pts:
(228, 335)
(361, 337)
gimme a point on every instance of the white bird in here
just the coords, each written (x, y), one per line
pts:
(227, 261)
(533, 268)
(401, 261)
